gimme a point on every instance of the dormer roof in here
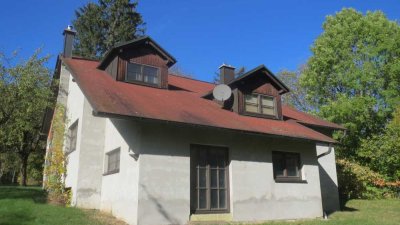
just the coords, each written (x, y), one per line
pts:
(256, 72)
(144, 41)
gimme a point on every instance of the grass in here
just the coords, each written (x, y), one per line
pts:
(363, 212)
(27, 206)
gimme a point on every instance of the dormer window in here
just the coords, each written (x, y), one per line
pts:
(142, 73)
(260, 104)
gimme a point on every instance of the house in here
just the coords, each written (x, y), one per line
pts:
(155, 148)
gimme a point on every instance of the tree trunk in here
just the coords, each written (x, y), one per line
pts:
(24, 169)
(13, 176)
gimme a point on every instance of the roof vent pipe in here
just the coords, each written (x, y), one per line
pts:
(69, 35)
(226, 74)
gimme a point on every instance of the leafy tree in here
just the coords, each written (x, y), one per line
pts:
(26, 88)
(382, 151)
(353, 75)
(101, 25)
(9, 167)
(297, 95)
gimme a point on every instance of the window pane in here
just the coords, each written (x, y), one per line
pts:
(213, 160)
(150, 74)
(251, 99)
(252, 108)
(291, 166)
(214, 178)
(214, 198)
(73, 132)
(278, 164)
(267, 101)
(222, 178)
(202, 158)
(134, 72)
(222, 199)
(113, 161)
(202, 198)
(202, 177)
(268, 111)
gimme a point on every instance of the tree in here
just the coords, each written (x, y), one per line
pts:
(382, 151)
(9, 165)
(297, 95)
(26, 88)
(101, 25)
(353, 75)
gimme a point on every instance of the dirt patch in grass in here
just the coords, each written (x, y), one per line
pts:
(106, 218)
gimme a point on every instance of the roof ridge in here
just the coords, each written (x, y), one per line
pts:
(189, 78)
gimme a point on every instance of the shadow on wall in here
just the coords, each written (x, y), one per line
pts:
(329, 192)
(160, 207)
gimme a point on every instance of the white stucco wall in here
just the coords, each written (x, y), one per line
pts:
(84, 167)
(328, 177)
(74, 107)
(91, 156)
(120, 190)
(164, 180)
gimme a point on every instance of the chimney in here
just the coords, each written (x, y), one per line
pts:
(69, 35)
(226, 74)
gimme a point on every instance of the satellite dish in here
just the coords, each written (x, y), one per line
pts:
(222, 92)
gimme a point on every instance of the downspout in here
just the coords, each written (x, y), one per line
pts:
(327, 152)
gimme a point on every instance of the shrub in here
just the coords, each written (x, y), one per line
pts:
(360, 182)
(55, 165)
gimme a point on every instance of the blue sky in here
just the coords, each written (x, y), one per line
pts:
(200, 34)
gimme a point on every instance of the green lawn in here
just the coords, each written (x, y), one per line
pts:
(27, 206)
(360, 212)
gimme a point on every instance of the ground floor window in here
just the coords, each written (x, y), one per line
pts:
(287, 166)
(112, 161)
(209, 179)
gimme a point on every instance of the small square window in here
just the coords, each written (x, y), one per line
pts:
(287, 166)
(112, 161)
(72, 137)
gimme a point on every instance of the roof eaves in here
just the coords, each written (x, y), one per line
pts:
(337, 127)
(142, 118)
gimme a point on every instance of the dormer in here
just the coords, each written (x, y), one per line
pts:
(141, 61)
(255, 93)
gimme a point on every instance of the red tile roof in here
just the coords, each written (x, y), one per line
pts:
(307, 119)
(110, 97)
(203, 88)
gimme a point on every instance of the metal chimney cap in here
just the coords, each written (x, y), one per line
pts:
(69, 29)
(226, 65)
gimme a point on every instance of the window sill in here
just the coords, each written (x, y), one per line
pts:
(110, 172)
(288, 180)
(211, 217)
(260, 115)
